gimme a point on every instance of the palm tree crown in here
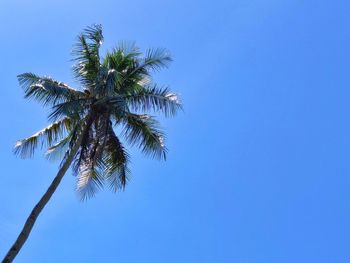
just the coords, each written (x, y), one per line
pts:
(116, 90)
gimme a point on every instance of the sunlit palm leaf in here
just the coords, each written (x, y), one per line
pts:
(154, 99)
(89, 181)
(58, 150)
(143, 131)
(155, 59)
(86, 55)
(45, 137)
(47, 90)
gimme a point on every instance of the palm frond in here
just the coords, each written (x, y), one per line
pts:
(89, 181)
(89, 166)
(79, 136)
(47, 90)
(117, 105)
(138, 69)
(128, 49)
(154, 98)
(106, 82)
(156, 59)
(116, 161)
(143, 131)
(111, 82)
(74, 109)
(117, 176)
(45, 137)
(94, 33)
(86, 55)
(58, 150)
(114, 59)
(124, 59)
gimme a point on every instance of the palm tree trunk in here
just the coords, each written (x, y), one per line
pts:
(22, 237)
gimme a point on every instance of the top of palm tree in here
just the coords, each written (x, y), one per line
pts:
(115, 90)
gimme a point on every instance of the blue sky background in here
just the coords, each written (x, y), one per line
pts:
(258, 169)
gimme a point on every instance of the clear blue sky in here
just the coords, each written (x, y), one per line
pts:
(259, 162)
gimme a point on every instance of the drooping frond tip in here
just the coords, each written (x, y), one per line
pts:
(94, 32)
(157, 58)
(154, 98)
(45, 137)
(144, 131)
(47, 90)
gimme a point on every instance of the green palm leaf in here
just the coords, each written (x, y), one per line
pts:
(86, 55)
(154, 99)
(156, 59)
(143, 131)
(89, 181)
(45, 137)
(75, 109)
(116, 161)
(47, 90)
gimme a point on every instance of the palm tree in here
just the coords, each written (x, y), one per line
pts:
(116, 90)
